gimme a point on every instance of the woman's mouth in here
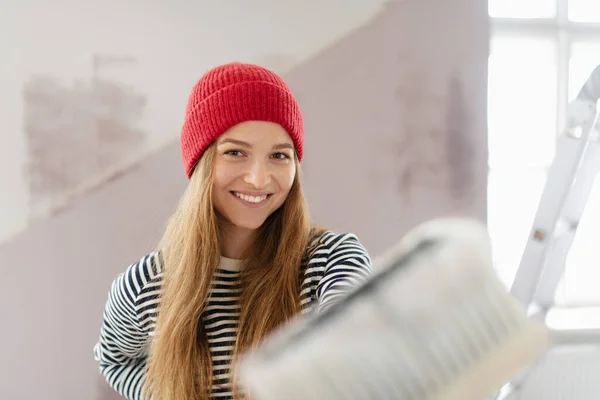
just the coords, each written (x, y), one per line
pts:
(252, 199)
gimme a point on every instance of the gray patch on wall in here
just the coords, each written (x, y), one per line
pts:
(460, 146)
(75, 132)
(418, 148)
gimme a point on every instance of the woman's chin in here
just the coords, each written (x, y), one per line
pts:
(250, 224)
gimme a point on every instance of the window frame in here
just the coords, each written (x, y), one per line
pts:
(563, 32)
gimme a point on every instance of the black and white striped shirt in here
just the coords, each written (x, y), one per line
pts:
(334, 265)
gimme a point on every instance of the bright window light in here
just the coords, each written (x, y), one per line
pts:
(523, 8)
(522, 102)
(584, 10)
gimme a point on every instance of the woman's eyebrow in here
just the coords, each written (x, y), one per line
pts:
(234, 141)
(283, 146)
(245, 144)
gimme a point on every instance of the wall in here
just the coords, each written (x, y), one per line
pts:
(396, 120)
(391, 110)
(56, 278)
(65, 51)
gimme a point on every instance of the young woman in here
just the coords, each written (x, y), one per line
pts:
(239, 256)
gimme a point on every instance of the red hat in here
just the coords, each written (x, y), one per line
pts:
(233, 93)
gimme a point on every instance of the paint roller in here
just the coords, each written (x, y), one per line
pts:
(434, 322)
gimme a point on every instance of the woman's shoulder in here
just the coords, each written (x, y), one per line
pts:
(150, 265)
(337, 263)
(328, 241)
(142, 273)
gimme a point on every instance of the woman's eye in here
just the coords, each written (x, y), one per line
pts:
(235, 153)
(280, 156)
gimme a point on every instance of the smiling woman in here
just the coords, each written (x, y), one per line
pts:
(255, 168)
(239, 257)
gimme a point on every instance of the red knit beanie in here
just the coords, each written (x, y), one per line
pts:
(233, 93)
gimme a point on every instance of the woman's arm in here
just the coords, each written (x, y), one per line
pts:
(348, 266)
(124, 337)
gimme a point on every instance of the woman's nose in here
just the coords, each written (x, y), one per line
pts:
(257, 175)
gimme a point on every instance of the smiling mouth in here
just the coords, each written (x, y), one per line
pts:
(252, 199)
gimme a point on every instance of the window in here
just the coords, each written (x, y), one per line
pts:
(582, 274)
(521, 102)
(583, 10)
(513, 196)
(523, 8)
(585, 56)
(542, 52)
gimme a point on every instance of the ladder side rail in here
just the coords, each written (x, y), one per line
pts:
(570, 218)
(561, 175)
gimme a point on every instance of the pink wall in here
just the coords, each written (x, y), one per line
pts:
(396, 120)
(57, 275)
(390, 110)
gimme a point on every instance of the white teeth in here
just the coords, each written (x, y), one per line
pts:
(251, 199)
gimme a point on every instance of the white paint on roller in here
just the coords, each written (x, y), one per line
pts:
(439, 327)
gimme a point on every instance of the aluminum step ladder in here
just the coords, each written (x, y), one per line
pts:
(570, 180)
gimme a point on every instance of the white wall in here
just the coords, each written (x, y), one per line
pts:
(397, 84)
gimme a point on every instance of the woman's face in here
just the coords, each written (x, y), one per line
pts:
(254, 172)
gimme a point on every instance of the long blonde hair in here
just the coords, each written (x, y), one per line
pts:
(179, 365)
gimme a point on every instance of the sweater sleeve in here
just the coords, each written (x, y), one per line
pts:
(124, 339)
(348, 266)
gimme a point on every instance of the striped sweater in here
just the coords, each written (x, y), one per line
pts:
(333, 266)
